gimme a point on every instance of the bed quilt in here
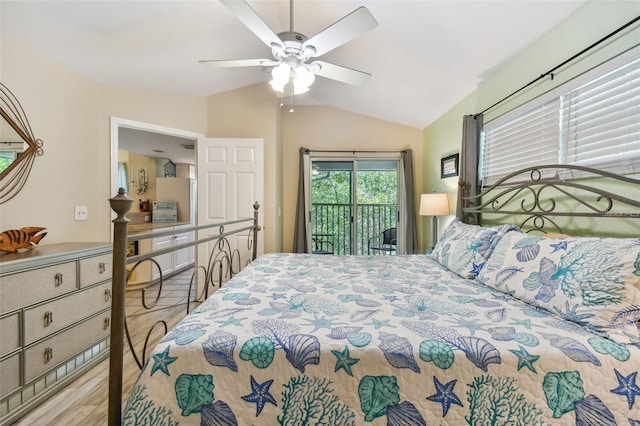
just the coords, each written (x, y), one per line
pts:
(298, 339)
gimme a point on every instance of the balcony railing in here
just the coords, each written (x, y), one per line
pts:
(332, 231)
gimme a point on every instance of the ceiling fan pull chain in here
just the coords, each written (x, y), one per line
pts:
(291, 109)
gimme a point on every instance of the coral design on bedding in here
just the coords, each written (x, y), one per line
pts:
(308, 339)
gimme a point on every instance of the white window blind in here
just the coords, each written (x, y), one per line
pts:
(594, 121)
(528, 139)
(602, 121)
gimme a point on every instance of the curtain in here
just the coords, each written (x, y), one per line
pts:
(411, 237)
(123, 181)
(469, 161)
(300, 240)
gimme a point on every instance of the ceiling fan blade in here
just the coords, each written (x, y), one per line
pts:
(234, 63)
(252, 20)
(340, 73)
(351, 26)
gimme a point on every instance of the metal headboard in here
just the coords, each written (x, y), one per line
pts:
(536, 197)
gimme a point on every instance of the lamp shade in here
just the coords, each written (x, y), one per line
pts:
(434, 204)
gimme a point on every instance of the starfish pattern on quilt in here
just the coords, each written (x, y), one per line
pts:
(381, 323)
(232, 321)
(525, 359)
(162, 360)
(260, 395)
(627, 387)
(562, 245)
(470, 324)
(444, 395)
(476, 268)
(344, 360)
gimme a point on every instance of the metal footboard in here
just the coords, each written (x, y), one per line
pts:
(223, 262)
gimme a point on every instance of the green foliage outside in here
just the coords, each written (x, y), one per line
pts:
(374, 187)
(377, 199)
(5, 163)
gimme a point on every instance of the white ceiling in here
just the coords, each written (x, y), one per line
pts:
(424, 57)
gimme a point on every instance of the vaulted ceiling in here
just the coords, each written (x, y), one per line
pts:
(424, 56)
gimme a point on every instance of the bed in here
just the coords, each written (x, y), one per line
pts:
(500, 324)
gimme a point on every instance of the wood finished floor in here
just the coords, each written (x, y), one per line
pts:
(85, 400)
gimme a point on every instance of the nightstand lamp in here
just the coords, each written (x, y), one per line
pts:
(434, 205)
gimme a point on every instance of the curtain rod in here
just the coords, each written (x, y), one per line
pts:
(355, 151)
(550, 72)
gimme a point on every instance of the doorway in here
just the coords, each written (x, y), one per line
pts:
(166, 135)
(355, 206)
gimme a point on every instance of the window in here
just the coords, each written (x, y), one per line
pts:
(593, 121)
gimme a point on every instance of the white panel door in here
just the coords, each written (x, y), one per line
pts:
(230, 180)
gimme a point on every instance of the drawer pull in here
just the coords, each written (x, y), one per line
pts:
(107, 323)
(48, 354)
(48, 318)
(58, 279)
(102, 268)
(107, 295)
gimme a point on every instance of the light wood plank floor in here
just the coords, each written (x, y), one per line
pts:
(85, 400)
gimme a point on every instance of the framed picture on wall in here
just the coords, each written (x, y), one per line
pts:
(449, 166)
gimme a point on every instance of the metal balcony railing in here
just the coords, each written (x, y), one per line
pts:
(332, 231)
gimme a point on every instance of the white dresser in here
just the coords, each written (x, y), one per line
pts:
(55, 304)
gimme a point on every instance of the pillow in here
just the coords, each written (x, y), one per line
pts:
(465, 248)
(591, 281)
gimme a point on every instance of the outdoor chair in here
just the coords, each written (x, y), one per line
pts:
(384, 243)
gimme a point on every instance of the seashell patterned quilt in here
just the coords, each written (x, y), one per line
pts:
(298, 339)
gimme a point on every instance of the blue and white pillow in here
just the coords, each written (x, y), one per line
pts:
(591, 281)
(465, 248)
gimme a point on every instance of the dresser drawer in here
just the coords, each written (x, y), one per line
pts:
(51, 352)
(95, 269)
(29, 287)
(9, 374)
(53, 316)
(9, 333)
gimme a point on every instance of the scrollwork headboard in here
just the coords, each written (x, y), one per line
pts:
(560, 199)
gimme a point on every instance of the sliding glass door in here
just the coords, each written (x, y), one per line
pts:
(355, 205)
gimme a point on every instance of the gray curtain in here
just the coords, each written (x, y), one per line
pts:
(411, 237)
(468, 184)
(300, 240)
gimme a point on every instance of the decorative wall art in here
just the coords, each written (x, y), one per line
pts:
(449, 166)
(170, 169)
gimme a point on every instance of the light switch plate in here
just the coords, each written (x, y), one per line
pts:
(81, 213)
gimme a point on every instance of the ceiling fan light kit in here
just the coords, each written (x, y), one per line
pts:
(290, 72)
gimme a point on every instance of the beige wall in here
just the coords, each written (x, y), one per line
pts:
(71, 115)
(590, 23)
(317, 127)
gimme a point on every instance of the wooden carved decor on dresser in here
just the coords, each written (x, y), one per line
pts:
(26, 238)
(55, 320)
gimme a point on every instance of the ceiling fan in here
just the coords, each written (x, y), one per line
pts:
(290, 66)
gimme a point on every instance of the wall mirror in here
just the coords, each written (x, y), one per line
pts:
(18, 146)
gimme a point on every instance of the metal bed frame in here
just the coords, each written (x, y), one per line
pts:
(540, 196)
(223, 263)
